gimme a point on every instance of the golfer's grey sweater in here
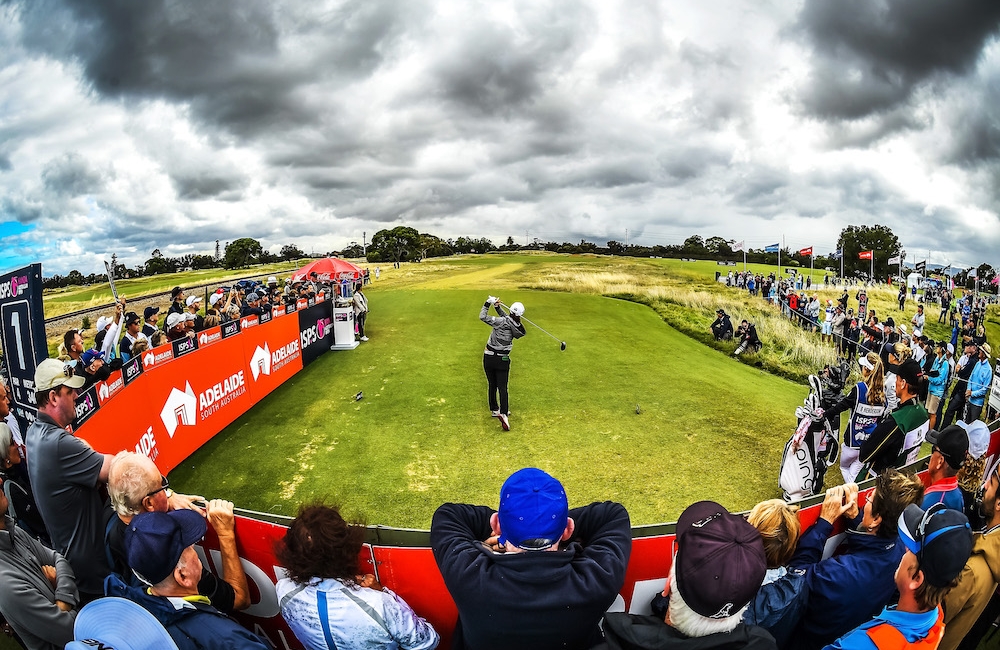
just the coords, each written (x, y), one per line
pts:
(28, 600)
(505, 330)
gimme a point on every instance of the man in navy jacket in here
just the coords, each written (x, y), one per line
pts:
(534, 574)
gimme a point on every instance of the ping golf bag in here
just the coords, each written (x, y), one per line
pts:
(811, 451)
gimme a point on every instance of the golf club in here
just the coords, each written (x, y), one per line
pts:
(562, 344)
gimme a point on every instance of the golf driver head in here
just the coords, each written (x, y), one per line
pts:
(562, 345)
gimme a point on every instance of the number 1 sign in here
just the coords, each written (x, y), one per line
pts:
(22, 336)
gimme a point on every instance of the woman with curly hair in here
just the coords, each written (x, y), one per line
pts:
(324, 599)
(867, 403)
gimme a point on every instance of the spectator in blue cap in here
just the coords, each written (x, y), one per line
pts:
(535, 573)
(160, 548)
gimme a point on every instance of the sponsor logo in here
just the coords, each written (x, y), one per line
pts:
(208, 337)
(14, 287)
(221, 394)
(108, 389)
(147, 445)
(85, 405)
(179, 409)
(265, 317)
(157, 356)
(230, 328)
(279, 311)
(248, 321)
(285, 355)
(315, 333)
(301, 303)
(184, 346)
(132, 369)
(260, 362)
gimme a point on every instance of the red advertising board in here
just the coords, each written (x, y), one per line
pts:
(185, 401)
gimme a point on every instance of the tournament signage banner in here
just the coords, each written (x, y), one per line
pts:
(315, 331)
(22, 337)
(177, 403)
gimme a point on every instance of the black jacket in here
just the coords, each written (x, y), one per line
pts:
(534, 600)
(631, 632)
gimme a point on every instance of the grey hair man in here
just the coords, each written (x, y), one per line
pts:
(135, 485)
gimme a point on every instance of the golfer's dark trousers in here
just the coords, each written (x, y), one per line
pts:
(497, 367)
(956, 410)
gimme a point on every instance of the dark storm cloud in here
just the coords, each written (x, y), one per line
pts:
(974, 126)
(5, 164)
(71, 175)
(199, 185)
(871, 54)
(224, 58)
(21, 209)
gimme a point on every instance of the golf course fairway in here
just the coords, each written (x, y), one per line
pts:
(708, 427)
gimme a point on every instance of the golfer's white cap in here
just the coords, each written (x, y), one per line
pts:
(214, 298)
(102, 322)
(193, 299)
(517, 309)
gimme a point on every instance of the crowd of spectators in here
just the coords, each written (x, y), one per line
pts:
(530, 573)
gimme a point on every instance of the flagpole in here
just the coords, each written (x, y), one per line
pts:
(744, 258)
(872, 274)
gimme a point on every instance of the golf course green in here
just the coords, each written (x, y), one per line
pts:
(632, 410)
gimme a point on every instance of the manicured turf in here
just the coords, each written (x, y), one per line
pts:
(709, 427)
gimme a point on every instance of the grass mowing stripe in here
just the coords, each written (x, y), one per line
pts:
(710, 427)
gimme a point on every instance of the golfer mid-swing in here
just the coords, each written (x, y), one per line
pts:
(496, 357)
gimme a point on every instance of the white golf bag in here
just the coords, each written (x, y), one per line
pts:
(811, 451)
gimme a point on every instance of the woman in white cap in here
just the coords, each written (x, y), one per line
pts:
(496, 357)
(867, 404)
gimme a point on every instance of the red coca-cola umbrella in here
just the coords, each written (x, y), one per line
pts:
(329, 269)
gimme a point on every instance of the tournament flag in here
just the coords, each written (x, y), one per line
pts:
(837, 254)
(738, 246)
(773, 248)
(921, 267)
(806, 251)
(865, 255)
(894, 260)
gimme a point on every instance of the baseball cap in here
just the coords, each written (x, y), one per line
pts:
(51, 373)
(214, 298)
(720, 560)
(533, 510)
(272, 280)
(174, 319)
(176, 291)
(909, 370)
(91, 354)
(940, 537)
(252, 296)
(951, 349)
(952, 442)
(154, 541)
(150, 311)
(193, 299)
(102, 322)
(131, 317)
(120, 624)
(517, 309)
(979, 437)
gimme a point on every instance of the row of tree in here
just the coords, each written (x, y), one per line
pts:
(403, 243)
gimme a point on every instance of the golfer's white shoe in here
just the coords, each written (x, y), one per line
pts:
(495, 414)
(504, 422)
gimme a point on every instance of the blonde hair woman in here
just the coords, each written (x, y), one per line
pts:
(867, 403)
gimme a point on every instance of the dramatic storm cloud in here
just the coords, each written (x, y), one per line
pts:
(129, 126)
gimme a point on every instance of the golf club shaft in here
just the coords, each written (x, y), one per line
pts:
(525, 319)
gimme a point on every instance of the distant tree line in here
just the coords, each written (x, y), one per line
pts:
(406, 244)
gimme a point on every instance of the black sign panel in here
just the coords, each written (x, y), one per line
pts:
(315, 331)
(230, 328)
(265, 316)
(184, 346)
(22, 336)
(86, 405)
(132, 369)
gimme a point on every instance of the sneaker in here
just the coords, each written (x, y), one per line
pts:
(364, 338)
(495, 414)
(504, 422)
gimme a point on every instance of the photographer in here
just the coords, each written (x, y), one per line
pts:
(746, 337)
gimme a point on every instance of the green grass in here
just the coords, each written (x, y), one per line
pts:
(710, 427)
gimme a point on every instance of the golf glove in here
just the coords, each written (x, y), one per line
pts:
(491, 300)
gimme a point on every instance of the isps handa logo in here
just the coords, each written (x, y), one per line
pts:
(180, 409)
(315, 333)
(14, 287)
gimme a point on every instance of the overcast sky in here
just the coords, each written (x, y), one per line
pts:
(127, 126)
